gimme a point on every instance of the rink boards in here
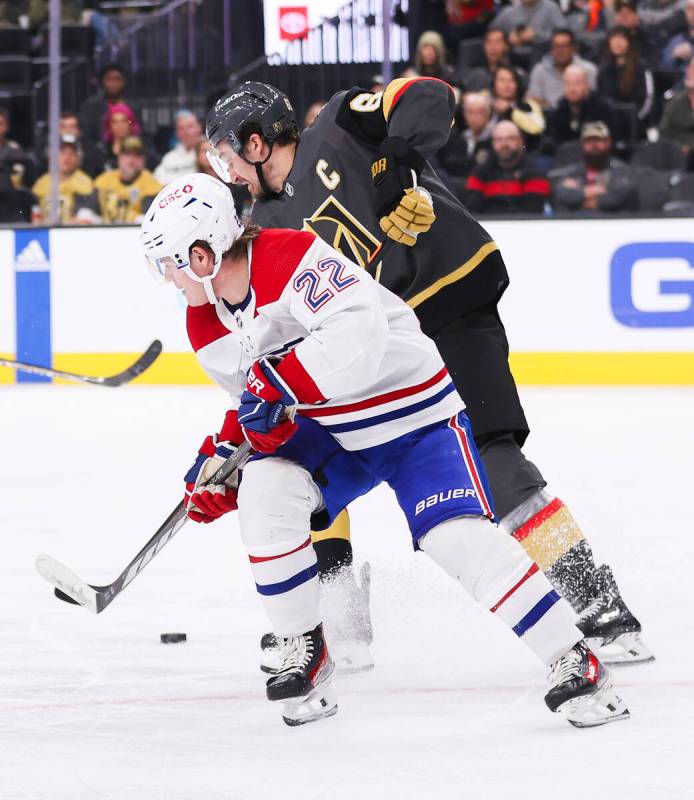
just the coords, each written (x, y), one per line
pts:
(590, 302)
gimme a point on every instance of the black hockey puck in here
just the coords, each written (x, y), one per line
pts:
(172, 638)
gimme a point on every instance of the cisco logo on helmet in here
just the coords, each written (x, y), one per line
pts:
(175, 195)
(652, 285)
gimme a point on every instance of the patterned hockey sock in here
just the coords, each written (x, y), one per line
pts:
(333, 547)
(551, 537)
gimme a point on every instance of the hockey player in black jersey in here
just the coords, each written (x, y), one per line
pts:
(359, 172)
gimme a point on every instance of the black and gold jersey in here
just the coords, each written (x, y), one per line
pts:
(125, 202)
(455, 267)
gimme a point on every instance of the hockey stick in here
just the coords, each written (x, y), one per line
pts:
(143, 362)
(72, 589)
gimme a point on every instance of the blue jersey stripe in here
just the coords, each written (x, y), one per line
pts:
(536, 613)
(290, 583)
(391, 415)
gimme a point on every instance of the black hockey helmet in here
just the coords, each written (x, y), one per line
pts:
(250, 102)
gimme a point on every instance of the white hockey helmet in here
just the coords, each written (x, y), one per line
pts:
(192, 208)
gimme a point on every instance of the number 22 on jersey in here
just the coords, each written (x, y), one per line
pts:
(319, 284)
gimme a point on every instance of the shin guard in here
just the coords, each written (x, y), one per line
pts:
(498, 573)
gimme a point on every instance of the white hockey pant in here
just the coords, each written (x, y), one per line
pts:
(493, 567)
(276, 500)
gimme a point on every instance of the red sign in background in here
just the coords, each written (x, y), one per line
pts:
(293, 22)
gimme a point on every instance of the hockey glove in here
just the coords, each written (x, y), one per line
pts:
(206, 503)
(264, 406)
(405, 210)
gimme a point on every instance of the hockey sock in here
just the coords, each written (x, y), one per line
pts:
(286, 577)
(333, 547)
(498, 573)
(551, 537)
(275, 530)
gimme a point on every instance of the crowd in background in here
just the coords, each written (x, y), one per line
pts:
(577, 106)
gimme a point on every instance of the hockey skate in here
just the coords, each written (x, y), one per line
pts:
(303, 679)
(581, 689)
(609, 627)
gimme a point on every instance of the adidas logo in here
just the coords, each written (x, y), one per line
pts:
(32, 258)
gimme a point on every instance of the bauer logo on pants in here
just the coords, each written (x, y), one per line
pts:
(443, 497)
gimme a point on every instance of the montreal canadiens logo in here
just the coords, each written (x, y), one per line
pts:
(175, 195)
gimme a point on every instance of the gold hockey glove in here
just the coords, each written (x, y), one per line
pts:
(413, 215)
(404, 210)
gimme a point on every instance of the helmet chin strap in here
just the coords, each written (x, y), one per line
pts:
(209, 291)
(260, 174)
(206, 281)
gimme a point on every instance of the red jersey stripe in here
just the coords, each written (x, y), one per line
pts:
(525, 577)
(377, 400)
(260, 559)
(300, 382)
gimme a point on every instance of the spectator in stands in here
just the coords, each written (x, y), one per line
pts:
(497, 52)
(680, 49)
(586, 18)
(124, 194)
(314, 110)
(91, 159)
(119, 125)
(508, 103)
(677, 123)
(181, 159)
(94, 110)
(466, 19)
(74, 186)
(430, 58)
(470, 143)
(15, 161)
(627, 16)
(508, 183)
(599, 182)
(578, 106)
(530, 22)
(624, 78)
(546, 79)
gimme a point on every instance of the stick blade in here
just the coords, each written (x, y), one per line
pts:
(65, 580)
(144, 362)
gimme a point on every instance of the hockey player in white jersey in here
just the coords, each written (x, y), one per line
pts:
(337, 389)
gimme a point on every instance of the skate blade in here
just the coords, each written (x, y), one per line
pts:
(599, 708)
(625, 649)
(319, 704)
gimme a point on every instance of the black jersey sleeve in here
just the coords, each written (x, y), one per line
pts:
(419, 110)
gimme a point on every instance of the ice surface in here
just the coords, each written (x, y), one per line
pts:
(95, 707)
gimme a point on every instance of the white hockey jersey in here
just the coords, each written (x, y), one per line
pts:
(352, 352)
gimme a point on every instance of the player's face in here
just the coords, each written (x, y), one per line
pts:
(237, 170)
(201, 263)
